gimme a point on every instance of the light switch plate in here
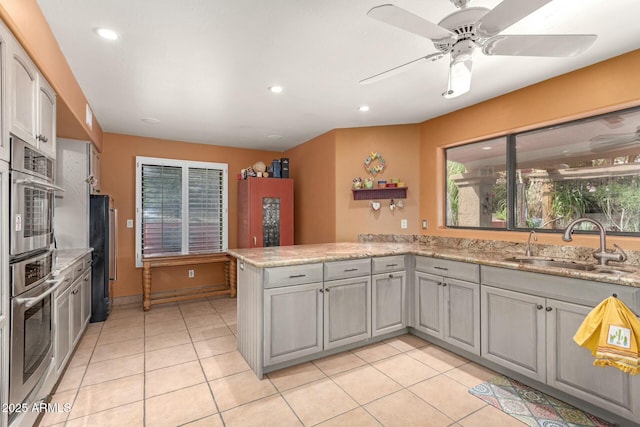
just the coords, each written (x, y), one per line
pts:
(129, 223)
(425, 224)
(403, 224)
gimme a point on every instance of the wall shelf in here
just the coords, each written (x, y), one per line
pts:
(379, 193)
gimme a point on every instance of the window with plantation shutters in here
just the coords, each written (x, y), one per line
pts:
(181, 207)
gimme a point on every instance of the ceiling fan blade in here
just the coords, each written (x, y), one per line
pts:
(399, 69)
(459, 78)
(539, 45)
(400, 18)
(505, 15)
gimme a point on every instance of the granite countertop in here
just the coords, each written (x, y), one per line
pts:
(306, 254)
(63, 258)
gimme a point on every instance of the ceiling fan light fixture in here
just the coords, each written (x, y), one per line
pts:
(459, 78)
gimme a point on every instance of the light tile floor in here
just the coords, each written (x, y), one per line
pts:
(178, 365)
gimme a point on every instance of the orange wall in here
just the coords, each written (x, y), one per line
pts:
(27, 23)
(313, 169)
(607, 86)
(400, 147)
(118, 173)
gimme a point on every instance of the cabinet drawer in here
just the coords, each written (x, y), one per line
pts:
(447, 268)
(87, 260)
(387, 263)
(78, 267)
(276, 277)
(345, 269)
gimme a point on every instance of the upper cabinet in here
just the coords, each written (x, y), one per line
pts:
(94, 170)
(46, 134)
(32, 102)
(5, 36)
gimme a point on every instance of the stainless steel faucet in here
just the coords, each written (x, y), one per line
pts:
(535, 239)
(601, 254)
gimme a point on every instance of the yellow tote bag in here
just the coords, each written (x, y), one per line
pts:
(612, 332)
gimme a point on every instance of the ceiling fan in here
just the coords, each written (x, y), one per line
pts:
(615, 141)
(462, 31)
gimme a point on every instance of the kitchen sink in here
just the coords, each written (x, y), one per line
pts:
(550, 262)
(571, 265)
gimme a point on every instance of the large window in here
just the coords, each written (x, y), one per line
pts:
(181, 207)
(546, 178)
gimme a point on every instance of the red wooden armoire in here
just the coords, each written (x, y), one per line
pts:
(265, 212)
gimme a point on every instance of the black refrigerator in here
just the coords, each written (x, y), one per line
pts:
(102, 238)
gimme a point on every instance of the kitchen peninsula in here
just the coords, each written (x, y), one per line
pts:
(300, 303)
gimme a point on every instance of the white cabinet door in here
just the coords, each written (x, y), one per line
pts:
(570, 367)
(46, 134)
(76, 311)
(5, 40)
(428, 304)
(292, 322)
(347, 311)
(94, 166)
(513, 331)
(23, 81)
(388, 311)
(63, 338)
(461, 308)
(85, 287)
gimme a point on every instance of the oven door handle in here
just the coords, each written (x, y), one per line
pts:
(36, 183)
(30, 302)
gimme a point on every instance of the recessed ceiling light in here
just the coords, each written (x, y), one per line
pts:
(107, 34)
(276, 89)
(150, 120)
(363, 108)
(487, 148)
(274, 136)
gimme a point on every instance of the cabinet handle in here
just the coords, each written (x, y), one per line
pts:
(321, 291)
(539, 307)
(347, 270)
(439, 283)
(441, 268)
(549, 308)
(327, 290)
(75, 292)
(391, 276)
(255, 240)
(297, 276)
(444, 285)
(392, 265)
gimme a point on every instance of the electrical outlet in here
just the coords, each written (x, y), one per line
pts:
(425, 224)
(403, 224)
(192, 274)
(129, 223)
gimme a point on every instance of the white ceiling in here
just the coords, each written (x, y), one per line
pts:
(202, 67)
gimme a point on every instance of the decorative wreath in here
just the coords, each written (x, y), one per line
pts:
(374, 170)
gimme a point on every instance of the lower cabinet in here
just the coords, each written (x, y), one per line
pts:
(71, 311)
(570, 367)
(513, 331)
(388, 291)
(347, 311)
(533, 335)
(292, 322)
(302, 318)
(63, 328)
(448, 309)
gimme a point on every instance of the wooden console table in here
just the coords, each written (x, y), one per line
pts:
(229, 288)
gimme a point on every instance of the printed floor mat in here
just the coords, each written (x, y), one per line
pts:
(533, 407)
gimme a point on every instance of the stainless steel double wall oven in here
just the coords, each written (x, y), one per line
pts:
(31, 223)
